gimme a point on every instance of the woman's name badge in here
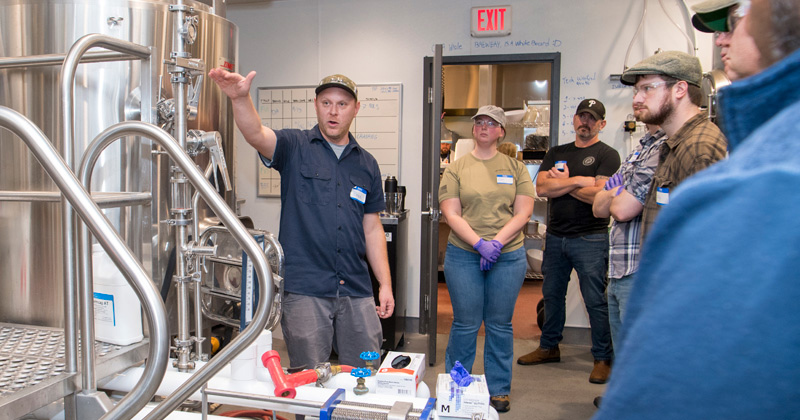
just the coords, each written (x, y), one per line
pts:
(359, 194)
(634, 156)
(662, 196)
(505, 179)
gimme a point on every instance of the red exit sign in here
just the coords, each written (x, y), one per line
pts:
(491, 21)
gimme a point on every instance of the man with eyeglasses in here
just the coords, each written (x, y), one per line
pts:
(713, 319)
(727, 20)
(666, 92)
(570, 176)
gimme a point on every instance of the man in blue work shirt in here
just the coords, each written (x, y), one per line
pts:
(329, 229)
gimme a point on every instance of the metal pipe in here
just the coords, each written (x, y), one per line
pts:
(102, 199)
(68, 70)
(66, 181)
(264, 398)
(198, 305)
(242, 236)
(179, 199)
(43, 60)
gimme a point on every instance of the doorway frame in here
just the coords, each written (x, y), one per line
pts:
(432, 106)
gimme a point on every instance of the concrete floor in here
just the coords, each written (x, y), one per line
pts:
(544, 392)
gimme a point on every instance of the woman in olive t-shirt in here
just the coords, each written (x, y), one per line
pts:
(486, 198)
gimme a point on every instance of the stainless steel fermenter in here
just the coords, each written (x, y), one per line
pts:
(105, 93)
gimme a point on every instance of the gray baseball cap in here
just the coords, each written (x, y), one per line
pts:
(494, 112)
(677, 64)
(712, 15)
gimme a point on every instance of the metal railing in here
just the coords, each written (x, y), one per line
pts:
(93, 217)
(229, 219)
(146, 388)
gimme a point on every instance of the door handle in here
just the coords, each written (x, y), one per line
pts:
(434, 214)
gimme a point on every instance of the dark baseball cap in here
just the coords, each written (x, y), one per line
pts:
(340, 81)
(677, 64)
(712, 15)
(592, 106)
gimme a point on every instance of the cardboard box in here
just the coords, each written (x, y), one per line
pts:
(457, 401)
(402, 381)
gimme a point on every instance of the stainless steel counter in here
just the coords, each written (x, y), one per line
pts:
(393, 219)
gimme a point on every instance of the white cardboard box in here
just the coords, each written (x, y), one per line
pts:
(403, 381)
(457, 401)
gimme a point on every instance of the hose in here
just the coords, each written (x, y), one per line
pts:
(257, 414)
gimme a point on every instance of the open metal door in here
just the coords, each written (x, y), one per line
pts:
(429, 260)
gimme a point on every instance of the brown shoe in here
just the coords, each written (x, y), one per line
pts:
(601, 372)
(541, 355)
(501, 403)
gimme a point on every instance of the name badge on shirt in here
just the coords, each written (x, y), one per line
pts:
(359, 194)
(634, 156)
(505, 179)
(662, 196)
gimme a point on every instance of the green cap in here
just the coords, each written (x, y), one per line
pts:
(340, 81)
(675, 64)
(712, 15)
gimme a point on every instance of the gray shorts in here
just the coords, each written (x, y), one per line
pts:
(312, 326)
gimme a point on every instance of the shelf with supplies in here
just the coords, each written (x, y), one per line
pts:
(535, 229)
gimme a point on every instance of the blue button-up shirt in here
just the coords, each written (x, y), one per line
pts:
(322, 213)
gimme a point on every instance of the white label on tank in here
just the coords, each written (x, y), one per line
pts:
(104, 308)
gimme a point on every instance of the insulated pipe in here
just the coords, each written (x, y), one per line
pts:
(68, 70)
(66, 181)
(239, 232)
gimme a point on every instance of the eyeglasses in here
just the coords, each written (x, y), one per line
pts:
(648, 88)
(485, 123)
(737, 14)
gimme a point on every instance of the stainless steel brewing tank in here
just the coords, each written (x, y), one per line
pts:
(31, 267)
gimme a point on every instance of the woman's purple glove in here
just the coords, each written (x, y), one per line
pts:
(614, 182)
(459, 374)
(485, 264)
(489, 250)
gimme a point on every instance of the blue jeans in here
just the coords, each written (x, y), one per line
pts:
(588, 255)
(483, 297)
(619, 290)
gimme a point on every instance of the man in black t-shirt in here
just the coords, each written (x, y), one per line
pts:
(570, 175)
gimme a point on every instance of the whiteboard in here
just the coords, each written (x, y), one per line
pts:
(376, 127)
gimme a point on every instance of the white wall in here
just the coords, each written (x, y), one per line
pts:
(297, 42)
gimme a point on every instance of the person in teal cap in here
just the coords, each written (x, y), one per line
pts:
(727, 19)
